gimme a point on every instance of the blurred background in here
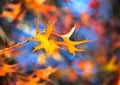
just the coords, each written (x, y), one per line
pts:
(95, 20)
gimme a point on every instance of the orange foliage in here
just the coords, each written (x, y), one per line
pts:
(111, 66)
(37, 6)
(16, 9)
(85, 19)
(30, 81)
(6, 69)
(118, 83)
(86, 67)
(45, 73)
(72, 75)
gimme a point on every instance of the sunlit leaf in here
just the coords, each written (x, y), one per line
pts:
(49, 45)
(71, 44)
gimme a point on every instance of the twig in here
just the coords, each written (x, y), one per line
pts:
(18, 44)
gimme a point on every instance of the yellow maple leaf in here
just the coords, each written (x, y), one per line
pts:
(71, 44)
(45, 42)
(49, 45)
